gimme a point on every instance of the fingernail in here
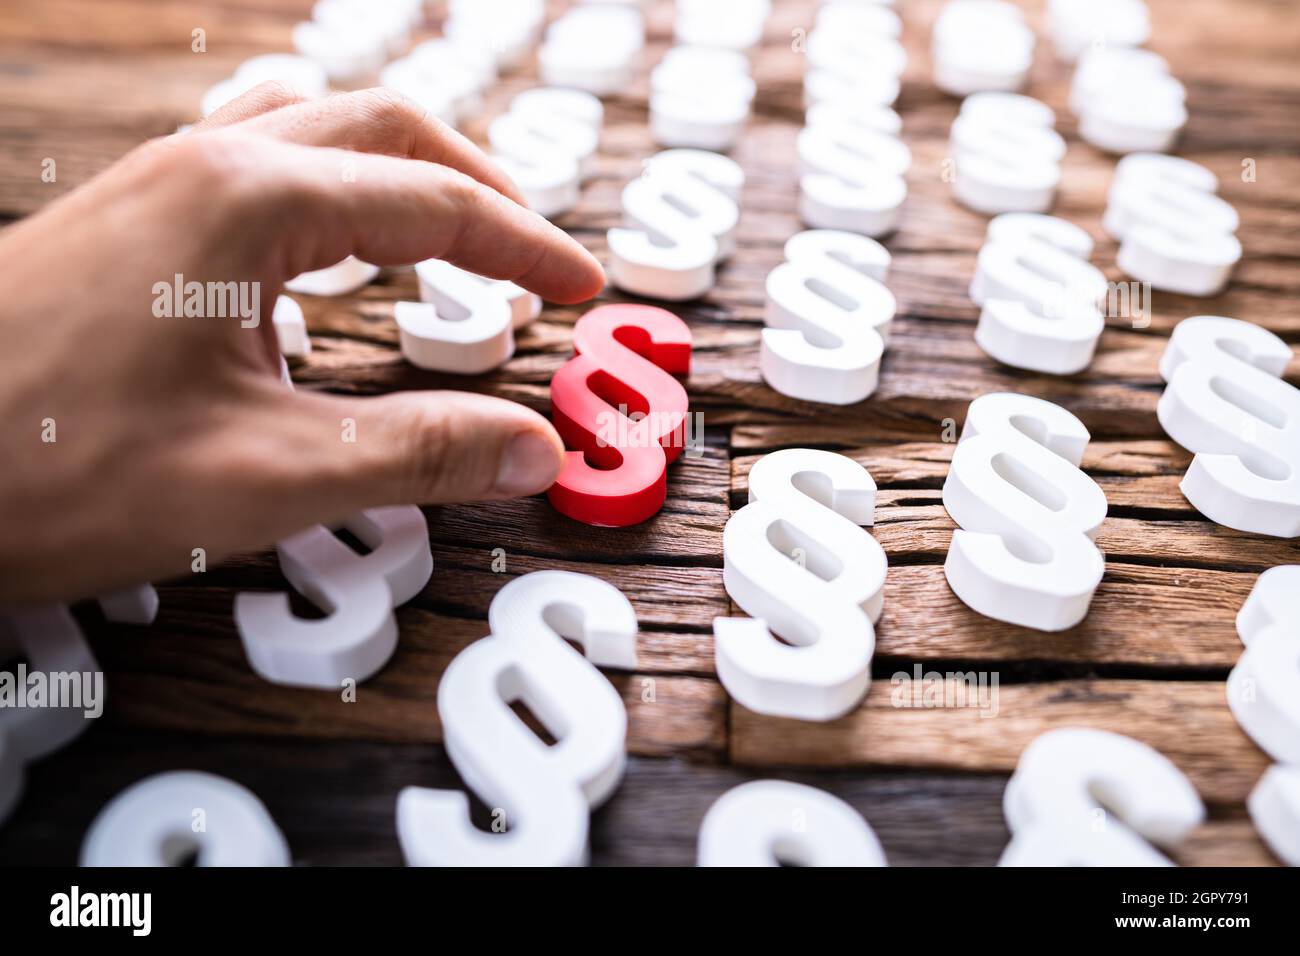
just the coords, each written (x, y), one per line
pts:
(528, 465)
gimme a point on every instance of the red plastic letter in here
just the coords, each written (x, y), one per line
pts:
(616, 472)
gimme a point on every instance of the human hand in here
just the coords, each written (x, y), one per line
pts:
(172, 434)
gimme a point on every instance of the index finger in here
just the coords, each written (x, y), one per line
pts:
(395, 211)
(381, 121)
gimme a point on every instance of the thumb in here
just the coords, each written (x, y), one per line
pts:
(416, 448)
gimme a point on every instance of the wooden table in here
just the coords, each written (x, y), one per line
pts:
(84, 80)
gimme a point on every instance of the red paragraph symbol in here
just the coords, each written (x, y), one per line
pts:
(621, 412)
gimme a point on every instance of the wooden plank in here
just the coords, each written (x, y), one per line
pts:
(1142, 476)
(336, 805)
(1176, 609)
(666, 599)
(85, 80)
(926, 529)
(1164, 530)
(687, 531)
(188, 673)
(1140, 617)
(1228, 842)
(672, 603)
(931, 373)
(1188, 721)
(922, 819)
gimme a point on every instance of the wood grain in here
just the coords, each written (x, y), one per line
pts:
(83, 81)
(184, 674)
(653, 819)
(1187, 721)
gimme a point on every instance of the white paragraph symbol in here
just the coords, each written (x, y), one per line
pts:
(545, 793)
(1083, 797)
(359, 592)
(547, 143)
(681, 216)
(1264, 686)
(1039, 294)
(464, 325)
(49, 640)
(1007, 153)
(827, 317)
(1024, 550)
(1174, 231)
(154, 823)
(770, 822)
(1264, 695)
(1226, 402)
(796, 560)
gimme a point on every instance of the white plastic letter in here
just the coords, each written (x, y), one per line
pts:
(700, 98)
(290, 328)
(1174, 232)
(735, 25)
(151, 824)
(1023, 552)
(680, 216)
(823, 607)
(1264, 692)
(545, 793)
(854, 57)
(851, 176)
(1274, 807)
(1077, 25)
(1038, 294)
(465, 325)
(770, 822)
(433, 275)
(506, 30)
(346, 52)
(981, 45)
(359, 592)
(1226, 402)
(50, 640)
(1007, 154)
(132, 605)
(1082, 797)
(1127, 101)
(828, 316)
(593, 47)
(342, 278)
(547, 142)
(1273, 601)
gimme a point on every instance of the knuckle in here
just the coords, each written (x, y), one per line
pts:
(400, 116)
(385, 103)
(269, 95)
(459, 189)
(463, 196)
